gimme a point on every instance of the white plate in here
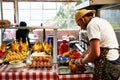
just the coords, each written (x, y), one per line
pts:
(15, 62)
(36, 54)
(17, 66)
(64, 70)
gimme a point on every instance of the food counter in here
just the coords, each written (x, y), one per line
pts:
(43, 64)
(23, 71)
(66, 74)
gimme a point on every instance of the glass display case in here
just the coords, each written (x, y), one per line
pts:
(54, 28)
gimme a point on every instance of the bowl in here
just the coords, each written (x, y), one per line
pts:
(16, 63)
(1, 61)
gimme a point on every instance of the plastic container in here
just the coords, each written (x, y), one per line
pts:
(63, 61)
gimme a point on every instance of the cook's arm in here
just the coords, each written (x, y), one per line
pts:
(94, 51)
(86, 52)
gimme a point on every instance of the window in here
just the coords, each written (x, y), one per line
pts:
(8, 11)
(48, 13)
(113, 15)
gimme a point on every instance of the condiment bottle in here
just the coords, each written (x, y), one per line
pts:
(63, 47)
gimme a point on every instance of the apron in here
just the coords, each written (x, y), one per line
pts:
(99, 65)
(101, 70)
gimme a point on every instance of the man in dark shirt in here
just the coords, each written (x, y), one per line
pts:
(22, 33)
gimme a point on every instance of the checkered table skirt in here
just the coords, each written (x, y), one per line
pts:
(76, 77)
(7, 73)
(23, 73)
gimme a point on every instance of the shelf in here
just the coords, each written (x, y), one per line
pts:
(32, 27)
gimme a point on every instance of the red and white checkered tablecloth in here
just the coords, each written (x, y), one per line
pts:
(76, 77)
(23, 73)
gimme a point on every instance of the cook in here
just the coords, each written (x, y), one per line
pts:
(103, 49)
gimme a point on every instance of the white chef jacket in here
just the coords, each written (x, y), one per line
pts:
(101, 29)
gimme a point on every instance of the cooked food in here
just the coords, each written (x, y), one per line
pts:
(42, 61)
(24, 47)
(42, 47)
(18, 51)
(16, 55)
(3, 47)
(47, 47)
(38, 47)
(71, 54)
(74, 68)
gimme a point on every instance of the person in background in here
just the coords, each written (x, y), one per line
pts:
(23, 33)
(103, 49)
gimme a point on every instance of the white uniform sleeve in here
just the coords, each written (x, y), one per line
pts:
(93, 31)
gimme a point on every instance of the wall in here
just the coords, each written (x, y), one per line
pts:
(60, 33)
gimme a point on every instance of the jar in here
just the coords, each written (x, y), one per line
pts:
(63, 47)
(50, 39)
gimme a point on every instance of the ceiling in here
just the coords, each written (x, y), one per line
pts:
(97, 4)
(44, 0)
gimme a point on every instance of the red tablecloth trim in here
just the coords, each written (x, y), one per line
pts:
(76, 77)
(7, 73)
